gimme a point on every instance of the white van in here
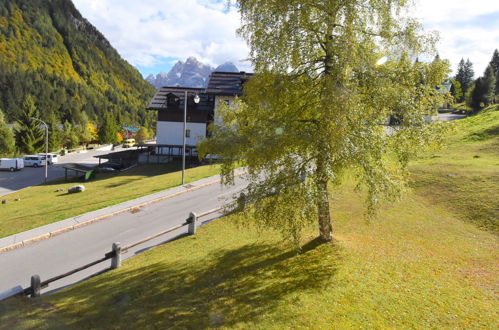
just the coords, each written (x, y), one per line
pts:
(34, 160)
(52, 158)
(11, 164)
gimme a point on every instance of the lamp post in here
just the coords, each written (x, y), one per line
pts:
(196, 100)
(46, 145)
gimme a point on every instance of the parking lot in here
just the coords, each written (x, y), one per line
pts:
(30, 176)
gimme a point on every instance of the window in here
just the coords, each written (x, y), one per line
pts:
(172, 100)
(187, 133)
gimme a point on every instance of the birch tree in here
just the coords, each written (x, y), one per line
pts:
(328, 74)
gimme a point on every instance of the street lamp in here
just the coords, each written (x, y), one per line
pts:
(196, 100)
(46, 145)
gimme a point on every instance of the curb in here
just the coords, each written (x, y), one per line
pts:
(102, 217)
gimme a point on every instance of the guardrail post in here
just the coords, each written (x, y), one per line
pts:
(35, 285)
(116, 260)
(192, 223)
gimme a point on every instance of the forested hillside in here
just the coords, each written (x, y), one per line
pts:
(48, 50)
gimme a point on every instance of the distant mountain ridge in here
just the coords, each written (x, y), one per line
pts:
(191, 73)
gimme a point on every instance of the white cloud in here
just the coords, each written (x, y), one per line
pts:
(147, 31)
(468, 29)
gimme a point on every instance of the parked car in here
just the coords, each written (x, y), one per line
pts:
(52, 158)
(128, 143)
(11, 164)
(34, 160)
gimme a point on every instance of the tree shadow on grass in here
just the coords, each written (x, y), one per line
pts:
(224, 288)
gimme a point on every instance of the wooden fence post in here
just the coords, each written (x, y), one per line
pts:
(241, 201)
(192, 223)
(35, 285)
(116, 260)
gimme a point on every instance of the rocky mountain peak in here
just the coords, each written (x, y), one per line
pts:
(226, 67)
(191, 73)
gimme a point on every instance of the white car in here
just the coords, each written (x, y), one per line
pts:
(34, 160)
(11, 164)
(52, 158)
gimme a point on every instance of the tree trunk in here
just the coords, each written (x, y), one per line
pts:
(325, 224)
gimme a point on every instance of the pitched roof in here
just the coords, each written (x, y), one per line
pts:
(160, 99)
(227, 83)
(132, 129)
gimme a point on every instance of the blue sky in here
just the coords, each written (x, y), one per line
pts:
(154, 34)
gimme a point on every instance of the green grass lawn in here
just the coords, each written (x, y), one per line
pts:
(41, 205)
(464, 176)
(423, 263)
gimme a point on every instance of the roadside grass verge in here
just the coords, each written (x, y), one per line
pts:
(41, 205)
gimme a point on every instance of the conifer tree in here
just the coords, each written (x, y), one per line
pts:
(476, 95)
(7, 142)
(494, 62)
(484, 91)
(465, 74)
(469, 73)
(489, 85)
(29, 134)
(108, 129)
(70, 136)
(55, 138)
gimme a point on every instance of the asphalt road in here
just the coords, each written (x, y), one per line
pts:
(62, 253)
(449, 116)
(30, 176)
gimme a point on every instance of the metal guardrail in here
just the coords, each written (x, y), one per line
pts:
(115, 254)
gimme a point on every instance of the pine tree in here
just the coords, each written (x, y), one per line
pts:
(468, 74)
(489, 85)
(494, 62)
(55, 138)
(7, 142)
(484, 92)
(476, 95)
(460, 74)
(30, 135)
(70, 136)
(465, 75)
(108, 130)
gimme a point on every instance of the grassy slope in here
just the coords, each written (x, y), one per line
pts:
(465, 176)
(41, 205)
(417, 266)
